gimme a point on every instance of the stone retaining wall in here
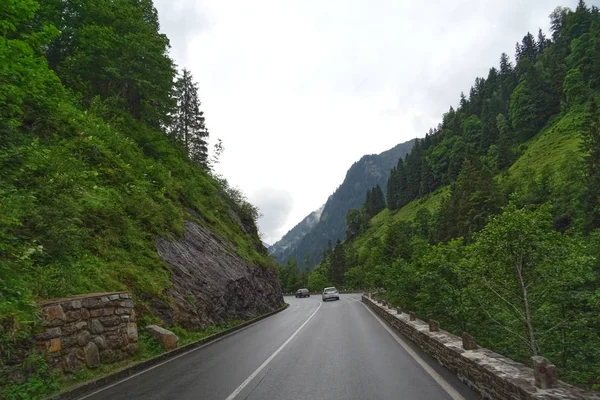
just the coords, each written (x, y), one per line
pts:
(490, 374)
(88, 330)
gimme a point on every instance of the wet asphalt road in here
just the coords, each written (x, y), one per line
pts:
(311, 350)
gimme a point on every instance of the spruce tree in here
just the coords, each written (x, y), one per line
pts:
(189, 124)
(591, 146)
(338, 264)
(505, 142)
(378, 200)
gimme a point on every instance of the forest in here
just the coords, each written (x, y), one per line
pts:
(490, 225)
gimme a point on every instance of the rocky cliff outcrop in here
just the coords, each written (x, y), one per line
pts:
(211, 283)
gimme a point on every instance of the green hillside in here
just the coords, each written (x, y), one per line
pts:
(492, 222)
(95, 165)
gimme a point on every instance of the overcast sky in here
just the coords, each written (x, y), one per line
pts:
(298, 90)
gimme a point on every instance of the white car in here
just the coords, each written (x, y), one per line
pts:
(330, 293)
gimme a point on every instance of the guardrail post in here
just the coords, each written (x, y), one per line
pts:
(412, 316)
(398, 310)
(434, 326)
(544, 373)
(469, 342)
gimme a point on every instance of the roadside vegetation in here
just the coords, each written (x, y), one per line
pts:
(103, 148)
(491, 223)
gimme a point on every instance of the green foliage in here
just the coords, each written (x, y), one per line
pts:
(40, 383)
(89, 177)
(473, 198)
(591, 148)
(527, 273)
(317, 281)
(522, 279)
(189, 123)
(574, 89)
(290, 277)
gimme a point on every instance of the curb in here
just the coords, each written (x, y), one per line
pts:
(87, 388)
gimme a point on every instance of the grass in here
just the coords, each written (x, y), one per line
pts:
(549, 149)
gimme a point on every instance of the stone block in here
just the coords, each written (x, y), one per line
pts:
(49, 334)
(412, 316)
(125, 318)
(81, 325)
(125, 296)
(72, 316)
(91, 354)
(100, 342)
(544, 373)
(113, 297)
(434, 326)
(75, 304)
(398, 310)
(114, 340)
(112, 320)
(112, 328)
(54, 315)
(91, 303)
(126, 304)
(69, 341)
(96, 326)
(104, 299)
(69, 329)
(71, 362)
(121, 311)
(132, 332)
(85, 314)
(166, 338)
(132, 348)
(469, 342)
(101, 312)
(83, 338)
(54, 345)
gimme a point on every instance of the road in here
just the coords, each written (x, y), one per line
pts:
(311, 350)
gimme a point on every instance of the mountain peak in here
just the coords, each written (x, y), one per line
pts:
(311, 235)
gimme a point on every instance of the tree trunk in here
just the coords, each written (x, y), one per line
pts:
(528, 324)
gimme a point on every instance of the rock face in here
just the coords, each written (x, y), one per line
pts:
(211, 283)
(167, 339)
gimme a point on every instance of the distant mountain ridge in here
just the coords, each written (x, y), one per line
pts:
(312, 235)
(288, 243)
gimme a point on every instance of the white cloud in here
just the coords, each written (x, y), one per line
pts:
(299, 90)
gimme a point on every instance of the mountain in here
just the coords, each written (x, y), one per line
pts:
(290, 241)
(312, 235)
(493, 222)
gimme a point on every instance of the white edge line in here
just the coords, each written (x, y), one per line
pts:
(437, 377)
(271, 357)
(170, 359)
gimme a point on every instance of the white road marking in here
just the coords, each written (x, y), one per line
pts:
(169, 360)
(437, 377)
(268, 360)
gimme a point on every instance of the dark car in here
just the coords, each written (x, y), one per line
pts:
(302, 293)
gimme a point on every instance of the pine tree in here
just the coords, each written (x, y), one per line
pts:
(338, 264)
(591, 146)
(189, 123)
(505, 142)
(542, 42)
(378, 200)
